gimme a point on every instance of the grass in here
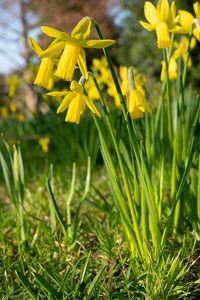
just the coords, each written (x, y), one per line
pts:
(97, 264)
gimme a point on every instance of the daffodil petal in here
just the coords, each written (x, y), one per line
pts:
(82, 63)
(82, 30)
(35, 46)
(171, 15)
(91, 106)
(65, 103)
(97, 44)
(185, 19)
(196, 7)
(57, 94)
(147, 26)
(52, 32)
(150, 13)
(163, 10)
(53, 50)
(76, 87)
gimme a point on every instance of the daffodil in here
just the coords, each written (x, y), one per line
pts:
(13, 83)
(136, 103)
(161, 19)
(21, 117)
(45, 70)
(73, 48)
(4, 111)
(13, 107)
(91, 89)
(186, 20)
(181, 49)
(44, 143)
(172, 69)
(75, 101)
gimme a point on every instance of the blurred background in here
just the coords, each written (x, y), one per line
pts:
(26, 113)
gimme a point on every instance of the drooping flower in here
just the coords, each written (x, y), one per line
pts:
(73, 48)
(74, 101)
(172, 69)
(186, 20)
(162, 19)
(45, 70)
(136, 103)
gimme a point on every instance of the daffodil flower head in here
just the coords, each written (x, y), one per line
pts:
(74, 101)
(45, 70)
(44, 143)
(162, 19)
(136, 104)
(186, 20)
(13, 83)
(172, 69)
(72, 48)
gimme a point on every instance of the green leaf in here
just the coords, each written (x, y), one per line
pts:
(27, 285)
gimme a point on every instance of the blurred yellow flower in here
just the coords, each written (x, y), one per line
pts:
(172, 70)
(72, 46)
(91, 89)
(21, 117)
(13, 83)
(161, 19)
(75, 101)
(136, 103)
(181, 49)
(13, 107)
(4, 111)
(44, 143)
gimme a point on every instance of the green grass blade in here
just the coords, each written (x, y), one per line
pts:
(95, 282)
(46, 285)
(31, 291)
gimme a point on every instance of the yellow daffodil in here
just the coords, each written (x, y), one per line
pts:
(91, 89)
(4, 111)
(186, 20)
(161, 19)
(136, 104)
(44, 75)
(72, 46)
(172, 69)
(21, 117)
(44, 143)
(13, 83)
(181, 49)
(75, 101)
(13, 107)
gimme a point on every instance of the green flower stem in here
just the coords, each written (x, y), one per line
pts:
(127, 188)
(169, 110)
